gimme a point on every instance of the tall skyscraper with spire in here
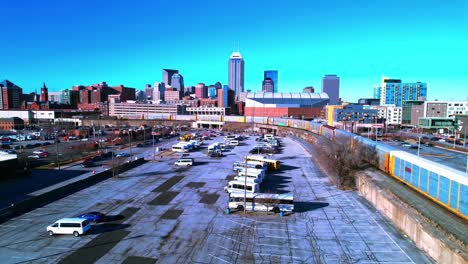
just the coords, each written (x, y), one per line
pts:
(236, 73)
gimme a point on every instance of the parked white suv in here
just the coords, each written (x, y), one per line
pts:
(184, 162)
(71, 226)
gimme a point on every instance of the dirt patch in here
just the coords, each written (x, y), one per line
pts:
(172, 214)
(168, 184)
(139, 260)
(195, 184)
(209, 198)
(230, 177)
(164, 198)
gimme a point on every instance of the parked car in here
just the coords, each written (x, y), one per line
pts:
(72, 226)
(122, 155)
(93, 216)
(35, 156)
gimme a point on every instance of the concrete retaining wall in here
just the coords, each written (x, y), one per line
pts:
(409, 223)
(56, 194)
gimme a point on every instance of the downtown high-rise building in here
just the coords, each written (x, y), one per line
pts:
(273, 76)
(236, 73)
(395, 92)
(331, 86)
(268, 85)
(167, 75)
(177, 81)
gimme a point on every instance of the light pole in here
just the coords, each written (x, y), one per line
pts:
(154, 149)
(419, 144)
(454, 137)
(56, 151)
(245, 186)
(130, 137)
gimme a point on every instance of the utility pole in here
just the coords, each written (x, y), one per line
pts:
(245, 186)
(419, 144)
(56, 151)
(130, 137)
(154, 149)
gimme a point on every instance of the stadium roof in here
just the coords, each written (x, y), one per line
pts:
(297, 99)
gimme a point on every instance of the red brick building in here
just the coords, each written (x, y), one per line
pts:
(15, 123)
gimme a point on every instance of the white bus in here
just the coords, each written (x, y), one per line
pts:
(250, 178)
(240, 186)
(278, 203)
(250, 164)
(180, 148)
(259, 173)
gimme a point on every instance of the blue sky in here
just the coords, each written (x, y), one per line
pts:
(66, 43)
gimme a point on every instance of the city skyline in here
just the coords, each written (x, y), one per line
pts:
(49, 42)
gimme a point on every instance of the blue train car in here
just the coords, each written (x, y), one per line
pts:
(444, 185)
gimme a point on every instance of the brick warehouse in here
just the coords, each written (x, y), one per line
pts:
(298, 105)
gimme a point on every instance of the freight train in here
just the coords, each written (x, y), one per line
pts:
(446, 186)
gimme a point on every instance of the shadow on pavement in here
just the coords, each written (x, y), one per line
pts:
(301, 207)
(106, 227)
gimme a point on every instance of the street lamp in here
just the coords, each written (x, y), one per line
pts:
(419, 144)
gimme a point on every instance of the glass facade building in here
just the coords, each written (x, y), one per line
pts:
(236, 73)
(393, 91)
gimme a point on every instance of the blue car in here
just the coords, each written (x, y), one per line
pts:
(93, 216)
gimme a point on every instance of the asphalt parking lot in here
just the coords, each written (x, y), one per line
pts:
(163, 214)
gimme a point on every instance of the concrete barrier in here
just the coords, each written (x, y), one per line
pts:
(410, 223)
(62, 191)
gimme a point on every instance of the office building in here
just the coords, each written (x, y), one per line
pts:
(377, 91)
(445, 108)
(268, 85)
(140, 96)
(158, 91)
(177, 82)
(331, 86)
(149, 92)
(394, 91)
(167, 75)
(201, 91)
(212, 92)
(55, 97)
(171, 94)
(143, 111)
(411, 111)
(308, 89)
(10, 95)
(236, 73)
(369, 101)
(273, 76)
(391, 114)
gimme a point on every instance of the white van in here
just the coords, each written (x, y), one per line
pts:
(180, 148)
(184, 162)
(69, 226)
(238, 186)
(234, 143)
(230, 137)
(269, 137)
(213, 146)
